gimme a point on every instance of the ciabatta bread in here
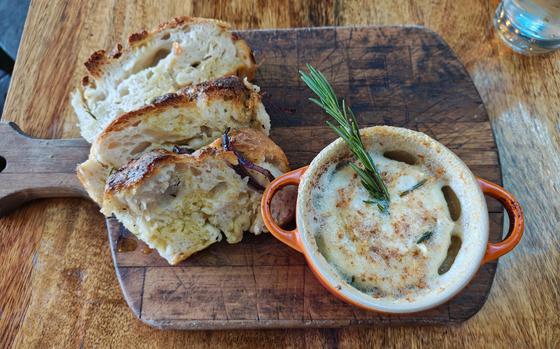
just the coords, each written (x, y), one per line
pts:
(190, 118)
(180, 53)
(181, 203)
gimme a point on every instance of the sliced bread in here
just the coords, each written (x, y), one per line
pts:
(181, 203)
(190, 118)
(180, 53)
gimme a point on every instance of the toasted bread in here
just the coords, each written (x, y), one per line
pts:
(180, 53)
(181, 203)
(190, 118)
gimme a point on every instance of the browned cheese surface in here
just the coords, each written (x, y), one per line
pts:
(58, 285)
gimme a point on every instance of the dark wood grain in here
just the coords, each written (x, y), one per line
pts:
(400, 76)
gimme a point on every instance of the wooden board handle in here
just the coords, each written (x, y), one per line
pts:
(32, 168)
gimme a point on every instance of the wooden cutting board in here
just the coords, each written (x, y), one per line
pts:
(400, 76)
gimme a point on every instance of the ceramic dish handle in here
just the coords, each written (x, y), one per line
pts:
(289, 237)
(516, 220)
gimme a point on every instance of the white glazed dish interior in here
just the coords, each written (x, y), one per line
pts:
(473, 219)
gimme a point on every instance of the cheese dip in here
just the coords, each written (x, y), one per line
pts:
(395, 254)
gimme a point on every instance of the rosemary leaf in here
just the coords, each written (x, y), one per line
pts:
(414, 187)
(425, 237)
(383, 206)
(91, 114)
(349, 131)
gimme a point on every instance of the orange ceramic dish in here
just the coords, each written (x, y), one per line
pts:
(476, 252)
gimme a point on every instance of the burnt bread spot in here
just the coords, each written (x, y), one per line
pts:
(136, 37)
(117, 51)
(228, 87)
(136, 170)
(95, 61)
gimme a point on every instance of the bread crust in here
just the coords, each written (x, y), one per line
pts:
(137, 180)
(138, 170)
(100, 58)
(149, 164)
(103, 94)
(256, 147)
(253, 144)
(230, 88)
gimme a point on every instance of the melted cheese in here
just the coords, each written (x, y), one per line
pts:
(380, 253)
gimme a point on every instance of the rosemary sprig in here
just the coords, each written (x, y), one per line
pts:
(348, 130)
(91, 114)
(414, 187)
(425, 237)
(381, 206)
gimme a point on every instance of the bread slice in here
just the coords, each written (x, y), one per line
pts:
(190, 118)
(180, 53)
(181, 203)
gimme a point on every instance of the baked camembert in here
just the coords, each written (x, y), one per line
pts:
(395, 254)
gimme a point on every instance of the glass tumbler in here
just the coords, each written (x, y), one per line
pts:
(529, 26)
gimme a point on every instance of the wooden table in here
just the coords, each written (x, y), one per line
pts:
(57, 284)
